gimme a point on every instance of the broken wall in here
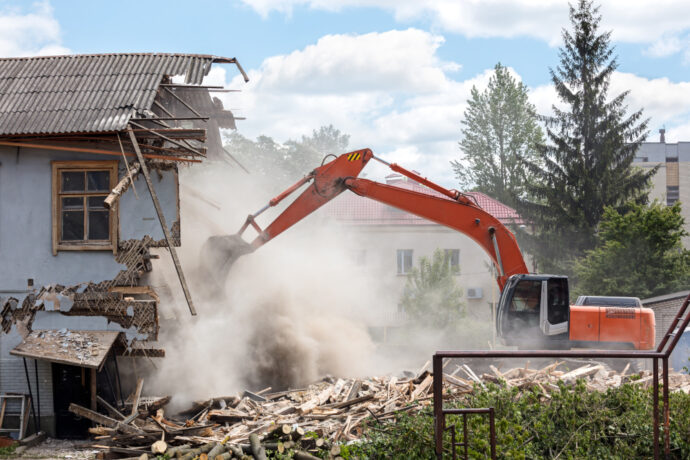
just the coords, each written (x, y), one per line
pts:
(77, 282)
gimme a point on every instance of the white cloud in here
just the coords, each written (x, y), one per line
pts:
(406, 106)
(635, 21)
(665, 46)
(30, 33)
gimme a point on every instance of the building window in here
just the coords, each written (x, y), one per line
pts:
(404, 261)
(453, 256)
(672, 194)
(80, 221)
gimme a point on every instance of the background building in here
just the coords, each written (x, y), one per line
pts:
(671, 182)
(392, 241)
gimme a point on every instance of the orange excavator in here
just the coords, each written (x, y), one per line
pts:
(533, 311)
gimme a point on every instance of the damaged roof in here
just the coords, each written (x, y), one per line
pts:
(354, 209)
(90, 92)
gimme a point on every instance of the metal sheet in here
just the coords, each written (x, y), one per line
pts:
(87, 93)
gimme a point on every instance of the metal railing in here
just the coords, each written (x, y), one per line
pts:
(663, 352)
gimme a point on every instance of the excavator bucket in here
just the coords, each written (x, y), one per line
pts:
(219, 253)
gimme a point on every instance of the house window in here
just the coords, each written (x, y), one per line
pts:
(404, 261)
(80, 221)
(453, 256)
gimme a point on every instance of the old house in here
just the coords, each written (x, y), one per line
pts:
(90, 148)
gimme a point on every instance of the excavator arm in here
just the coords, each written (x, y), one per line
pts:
(455, 210)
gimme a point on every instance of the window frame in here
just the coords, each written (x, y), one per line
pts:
(87, 165)
(400, 261)
(449, 254)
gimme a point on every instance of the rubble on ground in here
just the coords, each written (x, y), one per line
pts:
(315, 420)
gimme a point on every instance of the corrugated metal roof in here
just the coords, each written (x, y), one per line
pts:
(87, 93)
(354, 209)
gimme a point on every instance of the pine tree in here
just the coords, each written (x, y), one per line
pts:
(500, 131)
(586, 163)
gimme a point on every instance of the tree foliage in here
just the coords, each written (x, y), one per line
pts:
(431, 296)
(500, 131)
(586, 163)
(572, 423)
(286, 163)
(639, 253)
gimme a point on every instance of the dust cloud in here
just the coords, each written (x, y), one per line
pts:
(293, 311)
(297, 309)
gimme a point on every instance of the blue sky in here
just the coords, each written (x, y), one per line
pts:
(395, 75)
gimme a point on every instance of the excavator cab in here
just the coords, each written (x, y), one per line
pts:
(533, 311)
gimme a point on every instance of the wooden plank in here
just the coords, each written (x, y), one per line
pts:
(95, 151)
(110, 408)
(24, 417)
(161, 219)
(2, 410)
(102, 419)
(94, 388)
(172, 141)
(137, 396)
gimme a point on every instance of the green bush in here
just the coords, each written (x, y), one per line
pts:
(569, 423)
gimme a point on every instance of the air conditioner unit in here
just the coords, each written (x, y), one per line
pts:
(475, 293)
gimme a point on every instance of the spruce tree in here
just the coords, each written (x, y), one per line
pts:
(586, 163)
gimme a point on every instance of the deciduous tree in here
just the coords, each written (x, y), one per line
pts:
(638, 253)
(432, 297)
(500, 131)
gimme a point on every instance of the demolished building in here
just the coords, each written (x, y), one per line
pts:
(90, 148)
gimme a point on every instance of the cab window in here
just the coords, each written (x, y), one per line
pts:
(527, 297)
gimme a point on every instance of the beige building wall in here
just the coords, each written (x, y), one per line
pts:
(672, 176)
(658, 183)
(379, 245)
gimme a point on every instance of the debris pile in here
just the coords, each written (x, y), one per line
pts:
(314, 421)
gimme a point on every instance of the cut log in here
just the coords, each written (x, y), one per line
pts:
(172, 452)
(159, 447)
(258, 451)
(122, 186)
(217, 450)
(301, 455)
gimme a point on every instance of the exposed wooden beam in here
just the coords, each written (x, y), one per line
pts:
(121, 186)
(161, 219)
(172, 141)
(95, 151)
(191, 109)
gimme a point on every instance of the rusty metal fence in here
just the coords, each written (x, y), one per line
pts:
(663, 353)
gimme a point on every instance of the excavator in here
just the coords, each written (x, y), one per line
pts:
(533, 311)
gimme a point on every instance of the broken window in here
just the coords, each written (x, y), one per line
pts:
(404, 261)
(80, 220)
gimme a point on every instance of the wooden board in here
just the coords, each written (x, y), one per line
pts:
(76, 348)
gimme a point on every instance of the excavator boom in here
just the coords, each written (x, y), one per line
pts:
(453, 210)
